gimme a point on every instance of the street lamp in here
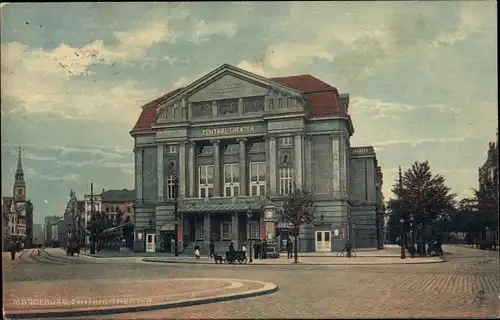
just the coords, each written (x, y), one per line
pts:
(402, 235)
(249, 216)
(176, 206)
(412, 236)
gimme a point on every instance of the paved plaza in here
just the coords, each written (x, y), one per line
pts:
(465, 286)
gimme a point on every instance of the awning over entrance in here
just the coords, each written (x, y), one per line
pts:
(169, 226)
(219, 208)
(284, 225)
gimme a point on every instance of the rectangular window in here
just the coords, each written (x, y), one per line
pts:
(280, 103)
(225, 232)
(206, 174)
(258, 147)
(285, 142)
(271, 104)
(254, 230)
(253, 104)
(227, 107)
(286, 180)
(231, 180)
(171, 187)
(257, 178)
(202, 109)
(173, 148)
(199, 233)
(206, 150)
(231, 149)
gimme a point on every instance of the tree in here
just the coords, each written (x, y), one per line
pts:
(297, 210)
(424, 197)
(119, 217)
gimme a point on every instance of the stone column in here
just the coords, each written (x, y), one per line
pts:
(182, 169)
(272, 165)
(160, 172)
(191, 169)
(217, 174)
(308, 164)
(243, 167)
(138, 173)
(234, 229)
(240, 106)
(297, 172)
(344, 156)
(336, 165)
(207, 230)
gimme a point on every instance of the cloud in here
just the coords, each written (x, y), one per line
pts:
(473, 17)
(382, 109)
(153, 33)
(184, 81)
(252, 67)
(414, 143)
(68, 177)
(202, 30)
(284, 55)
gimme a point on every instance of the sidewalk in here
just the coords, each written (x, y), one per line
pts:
(389, 251)
(87, 298)
(305, 260)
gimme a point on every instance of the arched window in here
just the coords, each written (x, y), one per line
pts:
(176, 113)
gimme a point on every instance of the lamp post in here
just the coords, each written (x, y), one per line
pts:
(402, 221)
(249, 216)
(176, 206)
(412, 237)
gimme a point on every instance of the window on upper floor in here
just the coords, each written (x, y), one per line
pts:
(257, 178)
(285, 142)
(259, 146)
(253, 104)
(206, 183)
(231, 180)
(202, 109)
(270, 104)
(227, 107)
(231, 149)
(286, 180)
(172, 187)
(281, 103)
(206, 150)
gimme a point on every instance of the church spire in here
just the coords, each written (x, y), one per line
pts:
(19, 182)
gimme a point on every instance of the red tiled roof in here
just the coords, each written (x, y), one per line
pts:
(322, 99)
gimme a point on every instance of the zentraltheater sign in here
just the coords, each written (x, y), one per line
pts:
(227, 131)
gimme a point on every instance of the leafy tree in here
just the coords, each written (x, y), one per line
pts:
(297, 210)
(424, 196)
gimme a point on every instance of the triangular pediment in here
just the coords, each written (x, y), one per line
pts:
(228, 82)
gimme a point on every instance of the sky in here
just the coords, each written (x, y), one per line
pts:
(422, 77)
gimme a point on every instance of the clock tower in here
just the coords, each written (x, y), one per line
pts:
(19, 183)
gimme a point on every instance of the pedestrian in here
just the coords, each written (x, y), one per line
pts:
(256, 249)
(244, 249)
(12, 249)
(264, 249)
(289, 249)
(212, 249)
(197, 252)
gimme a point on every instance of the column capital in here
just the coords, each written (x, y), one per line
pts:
(308, 138)
(271, 136)
(215, 142)
(138, 149)
(242, 140)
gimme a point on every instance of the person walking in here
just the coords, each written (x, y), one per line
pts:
(264, 249)
(289, 249)
(212, 249)
(244, 249)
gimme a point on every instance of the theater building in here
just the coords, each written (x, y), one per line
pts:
(238, 143)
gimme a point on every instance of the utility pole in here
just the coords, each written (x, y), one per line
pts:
(92, 219)
(402, 221)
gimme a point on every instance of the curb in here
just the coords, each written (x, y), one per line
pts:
(292, 264)
(113, 310)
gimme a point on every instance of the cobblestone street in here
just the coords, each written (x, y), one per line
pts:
(465, 286)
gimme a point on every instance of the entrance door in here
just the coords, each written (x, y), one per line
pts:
(323, 243)
(150, 242)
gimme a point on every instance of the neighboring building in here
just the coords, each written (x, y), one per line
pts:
(18, 210)
(110, 202)
(488, 172)
(114, 201)
(38, 234)
(238, 142)
(48, 227)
